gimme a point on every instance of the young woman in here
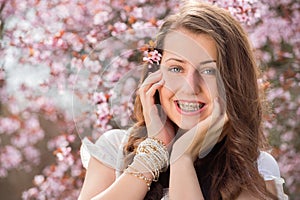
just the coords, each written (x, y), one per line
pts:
(198, 124)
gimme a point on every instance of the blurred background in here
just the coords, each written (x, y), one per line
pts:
(62, 73)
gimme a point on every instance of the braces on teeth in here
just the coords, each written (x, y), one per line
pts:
(190, 106)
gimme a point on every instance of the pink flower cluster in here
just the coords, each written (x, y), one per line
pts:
(19, 153)
(247, 12)
(61, 177)
(76, 64)
(152, 57)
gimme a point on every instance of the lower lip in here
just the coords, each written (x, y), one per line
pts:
(197, 112)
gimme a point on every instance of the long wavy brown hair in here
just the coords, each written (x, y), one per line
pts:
(231, 167)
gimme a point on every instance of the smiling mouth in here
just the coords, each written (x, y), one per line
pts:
(189, 107)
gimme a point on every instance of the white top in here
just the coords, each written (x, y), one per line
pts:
(109, 150)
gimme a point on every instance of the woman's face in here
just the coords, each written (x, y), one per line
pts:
(189, 69)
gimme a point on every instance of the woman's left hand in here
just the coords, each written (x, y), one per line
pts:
(199, 140)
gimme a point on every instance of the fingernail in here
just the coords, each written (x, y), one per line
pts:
(160, 82)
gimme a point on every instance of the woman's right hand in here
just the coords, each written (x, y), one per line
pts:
(199, 140)
(157, 123)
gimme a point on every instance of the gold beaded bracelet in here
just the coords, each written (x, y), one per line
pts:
(139, 175)
(160, 142)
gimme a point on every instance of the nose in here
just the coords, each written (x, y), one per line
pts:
(193, 81)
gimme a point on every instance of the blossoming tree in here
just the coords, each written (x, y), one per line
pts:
(75, 63)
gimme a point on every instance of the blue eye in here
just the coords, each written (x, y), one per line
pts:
(175, 69)
(209, 71)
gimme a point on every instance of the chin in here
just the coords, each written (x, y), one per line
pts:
(187, 126)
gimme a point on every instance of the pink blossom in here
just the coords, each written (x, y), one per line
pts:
(9, 125)
(119, 27)
(61, 39)
(31, 193)
(99, 97)
(57, 142)
(137, 12)
(32, 154)
(10, 157)
(63, 152)
(101, 17)
(153, 57)
(93, 65)
(39, 179)
(20, 140)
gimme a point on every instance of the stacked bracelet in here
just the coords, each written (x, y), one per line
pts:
(151, 157)
(154, 152)
(132, 171)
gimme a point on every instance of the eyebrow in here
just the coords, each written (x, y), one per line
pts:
(182, 61)
(206, 62)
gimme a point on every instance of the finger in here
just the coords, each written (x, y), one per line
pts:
(226, 118)
(217, 110)
(155, 87)
(149, 83)
(147, 93)
(151, 79)
(147, 99)
(214, 132)
(201, 138)
(218, 119)
(154, 72)
(211, 120)
(207, 130)
(222, 103)
(212, 137)
(219, 114)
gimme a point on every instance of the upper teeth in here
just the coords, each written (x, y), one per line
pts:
(189, 106)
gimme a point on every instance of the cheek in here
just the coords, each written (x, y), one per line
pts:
(172, 83)
(211, 88)
(165, 94)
